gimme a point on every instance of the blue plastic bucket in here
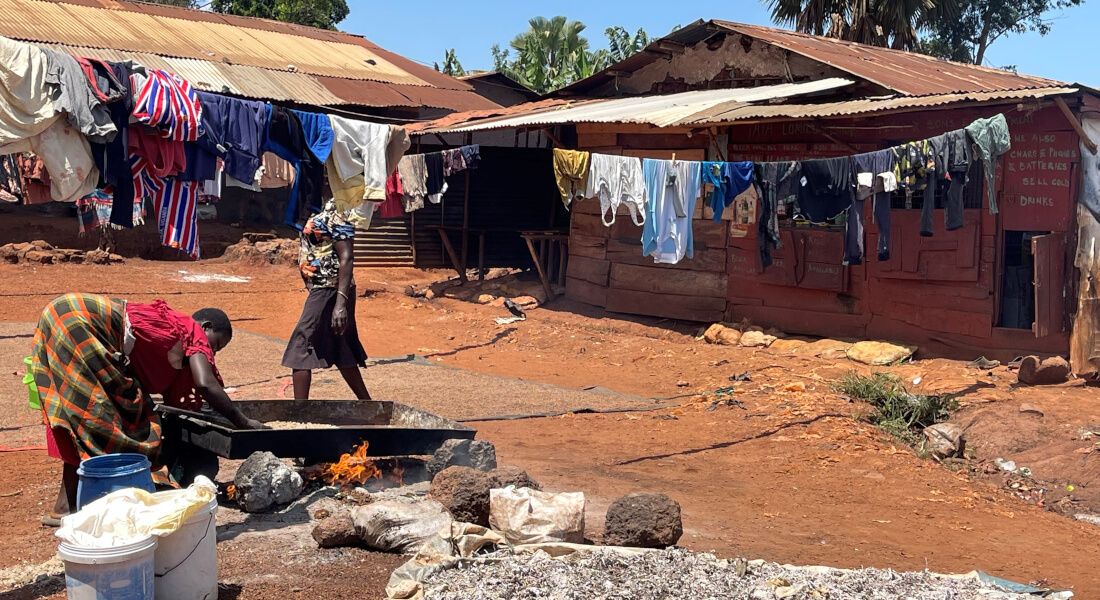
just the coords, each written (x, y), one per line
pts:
(101, 475)
(116, 573)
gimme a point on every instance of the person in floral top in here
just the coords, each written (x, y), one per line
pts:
(326, 335)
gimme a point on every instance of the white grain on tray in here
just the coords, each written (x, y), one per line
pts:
(296, 425)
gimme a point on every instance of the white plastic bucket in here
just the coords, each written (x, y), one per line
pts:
(187, 559)
(118, 573)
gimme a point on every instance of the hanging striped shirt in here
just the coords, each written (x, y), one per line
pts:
(169, 103)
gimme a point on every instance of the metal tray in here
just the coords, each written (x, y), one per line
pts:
(390, 429)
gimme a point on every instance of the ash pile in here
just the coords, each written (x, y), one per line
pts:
(676, 573)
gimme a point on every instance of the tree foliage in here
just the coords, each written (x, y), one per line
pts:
(887, 23)
(179, 3)
(979, 23)
(451, 66)
(324, 14)
(553, 53)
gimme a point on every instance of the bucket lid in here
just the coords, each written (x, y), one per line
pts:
(101, 556)
(202, 513)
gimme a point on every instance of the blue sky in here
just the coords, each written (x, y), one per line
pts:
(423, 29)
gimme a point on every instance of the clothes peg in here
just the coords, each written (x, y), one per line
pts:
(673, 158)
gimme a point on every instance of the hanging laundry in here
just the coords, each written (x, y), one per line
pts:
(824, 192)
(84, 104)
(874, 173)
(990, 139)
(776, 182)
(36, 180)
(397, 147)
(169, 103)
(435, 185)
(94, 211)
(571, 173)
(113, 158)
(11, 179)
(391, 208)
(27, 105)
(453, 161)
(234, 131)
(617, 180)
(729, 181)
(67, 157)
(211, 192)
(357, 165)
(305, 141)
(277, 173)
(154, 154)
(673, 188)
(414, 174)
(177, 215)
(471, 154)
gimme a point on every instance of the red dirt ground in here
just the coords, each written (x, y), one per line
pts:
(774, 481)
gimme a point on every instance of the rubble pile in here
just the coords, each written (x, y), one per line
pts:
(676, 573)
(263, 249)
(43, 253)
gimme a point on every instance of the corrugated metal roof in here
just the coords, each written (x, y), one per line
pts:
(368, 93)
(658, 111)
(239, 80)
(120, 29)
(559, 111)
(867, 105)
(903, 72)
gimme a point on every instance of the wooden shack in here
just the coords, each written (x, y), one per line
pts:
(1004, 284)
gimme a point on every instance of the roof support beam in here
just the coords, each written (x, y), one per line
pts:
(1091, 145)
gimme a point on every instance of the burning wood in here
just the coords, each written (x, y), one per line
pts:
(231, 491)
(351, 468)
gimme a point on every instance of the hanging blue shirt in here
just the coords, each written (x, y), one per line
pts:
(729, 179)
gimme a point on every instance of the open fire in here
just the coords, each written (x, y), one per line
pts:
(351, 468)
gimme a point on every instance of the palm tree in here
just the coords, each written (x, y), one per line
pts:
(887, 23)
(551, 54)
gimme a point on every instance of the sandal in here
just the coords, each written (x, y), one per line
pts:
(51, 521)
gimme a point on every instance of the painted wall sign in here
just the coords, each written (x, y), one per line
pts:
(1038, 174)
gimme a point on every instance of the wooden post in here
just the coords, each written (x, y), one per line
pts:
(465, 218)
(1091, 145)
(451, 252)
(563, 253)
(481, 256)
(538, 267)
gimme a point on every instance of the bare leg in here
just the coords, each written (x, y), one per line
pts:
(302, 380)
(66, 496)
(354, 380)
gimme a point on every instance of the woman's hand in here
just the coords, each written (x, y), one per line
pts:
(339, 317)
(251, 424)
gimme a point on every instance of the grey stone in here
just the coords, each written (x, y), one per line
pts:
(336, 531)
(263, 481)
(502, 477)
(476, 454)
(643, 520)
(945, 440)
(464, 492)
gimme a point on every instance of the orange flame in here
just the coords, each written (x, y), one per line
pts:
(352, 468)
(231, 491)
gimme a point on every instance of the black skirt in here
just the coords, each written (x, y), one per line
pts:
(314, 346)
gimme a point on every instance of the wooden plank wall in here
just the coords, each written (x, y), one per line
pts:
(941, 290)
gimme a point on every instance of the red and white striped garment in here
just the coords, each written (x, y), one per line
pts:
(177, 215)
(168, 102)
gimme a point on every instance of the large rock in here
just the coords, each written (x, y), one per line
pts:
(477, 454)
(502, 477)
(879, 354)
(263, 481)
(945, 440)
(722, 335)
(9, 253)
(399, 526)
(1046, 372)
(464, 492)
(336, 531)
(39, 256)
(643, 520)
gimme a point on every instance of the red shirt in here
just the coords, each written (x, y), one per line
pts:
(163, 337)
(392, 206)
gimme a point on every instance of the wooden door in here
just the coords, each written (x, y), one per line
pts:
(1049, 252)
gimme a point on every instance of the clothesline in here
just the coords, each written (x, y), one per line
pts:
(113, 136)
(660, 195)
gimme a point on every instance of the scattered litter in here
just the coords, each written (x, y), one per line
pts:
(11, 494)
(741, 377)
(212, 277)
(916, 381)
(1088, 518)
(508, 320)
(797, 386)
(1006, 465)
